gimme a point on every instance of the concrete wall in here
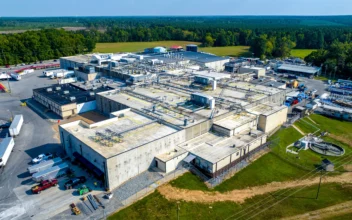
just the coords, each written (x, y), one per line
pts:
(270, 122)
(197, 130)
(87, 106)
(245, 127)
(71, 144)
(217, 65)
(129, 164)
(172, 164)
(86, 76)
(222, 130)
(61, 110)
(106, 106)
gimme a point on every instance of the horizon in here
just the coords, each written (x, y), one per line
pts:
(87, 8)
(107, 16)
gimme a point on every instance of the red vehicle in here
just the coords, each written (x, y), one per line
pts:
(46, 184)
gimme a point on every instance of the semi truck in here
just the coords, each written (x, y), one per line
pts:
(4, 76)
(16, 125)
(6, 147)
(16, 76)
(44, 165)
(51, 173)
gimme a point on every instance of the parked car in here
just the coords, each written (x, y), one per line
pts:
(75, 181)
(46, 184)
(42, 157)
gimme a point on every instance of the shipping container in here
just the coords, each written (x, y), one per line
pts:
(44, 165)
(51, 173)
(6, 147)
(16, 125)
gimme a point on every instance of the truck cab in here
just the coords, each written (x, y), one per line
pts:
(46, 184)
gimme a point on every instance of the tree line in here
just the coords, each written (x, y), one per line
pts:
(32, 46)
(335, 60)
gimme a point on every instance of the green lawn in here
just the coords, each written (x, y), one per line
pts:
(341, 129)
(301, 53)
(189, 181)
(306, 126)
(232, 51)
(269, 168)
(155, 206)
(136, 46)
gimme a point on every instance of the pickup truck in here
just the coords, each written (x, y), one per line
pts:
(75, 181)
(42, 157)
(46, 184)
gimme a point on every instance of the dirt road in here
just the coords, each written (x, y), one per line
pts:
(239, 196)
(328, 212)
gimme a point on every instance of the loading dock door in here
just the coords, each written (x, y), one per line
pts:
(98, 173)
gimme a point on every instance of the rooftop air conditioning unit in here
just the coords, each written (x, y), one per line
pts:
(72, 98)
(91, 93)
(66, 92)
(49, 89)
(58, 88)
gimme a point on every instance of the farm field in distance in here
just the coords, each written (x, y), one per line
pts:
(137, 46)
(232, 51)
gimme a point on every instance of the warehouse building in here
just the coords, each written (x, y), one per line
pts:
(299, 70)
(67, 99)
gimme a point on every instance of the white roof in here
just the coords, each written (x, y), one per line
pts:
(299, 68)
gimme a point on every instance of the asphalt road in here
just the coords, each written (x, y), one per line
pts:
(36, 137)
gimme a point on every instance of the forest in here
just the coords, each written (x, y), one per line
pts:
(267, 36)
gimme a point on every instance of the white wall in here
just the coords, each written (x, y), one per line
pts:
(86, 106)
(131, 163)
(172, 164)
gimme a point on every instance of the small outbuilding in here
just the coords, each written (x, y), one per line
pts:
(327, 165)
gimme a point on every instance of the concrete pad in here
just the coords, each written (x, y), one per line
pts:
(54, 200)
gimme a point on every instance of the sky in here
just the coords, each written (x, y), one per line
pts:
(39, 8)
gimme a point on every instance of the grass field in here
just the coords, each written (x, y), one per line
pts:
(301, 53)
(155, 206)
(136, 46)
(232, 51)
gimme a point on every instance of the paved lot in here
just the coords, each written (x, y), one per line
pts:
(54, 200)
(36, 137)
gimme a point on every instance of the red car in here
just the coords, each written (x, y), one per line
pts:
(45, 184)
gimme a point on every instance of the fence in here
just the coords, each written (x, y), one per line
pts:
(238, 164)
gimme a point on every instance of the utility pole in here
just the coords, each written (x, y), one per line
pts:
(321, 175)
(178, 209)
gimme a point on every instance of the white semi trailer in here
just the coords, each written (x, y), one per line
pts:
(51, 173)
(16, 125)
(6, 147)
(44, 165)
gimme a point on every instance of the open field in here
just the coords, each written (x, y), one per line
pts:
(301, 53)
(136, 46)
(156, 206)
(232, 51)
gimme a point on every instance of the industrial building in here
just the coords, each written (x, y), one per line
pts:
(259, 72)
(337, 112)
(68, 99)
(299, 70)
(161, 124)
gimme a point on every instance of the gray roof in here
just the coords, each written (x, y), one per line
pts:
(197, 56)
(299, 68)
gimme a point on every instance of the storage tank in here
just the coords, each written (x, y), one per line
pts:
(159, 50)
(44, 165)
(192, 47)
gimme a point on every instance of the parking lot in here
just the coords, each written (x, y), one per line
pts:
(55, 200)
(37, 136)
